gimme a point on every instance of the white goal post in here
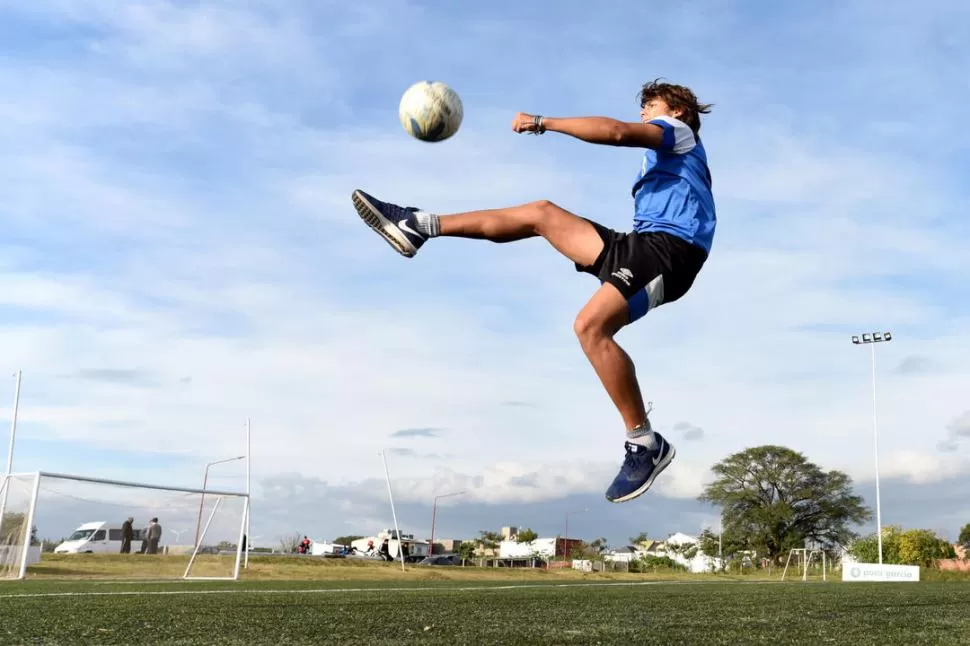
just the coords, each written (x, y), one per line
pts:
(805, 556)
(15, 528)
(52, 505)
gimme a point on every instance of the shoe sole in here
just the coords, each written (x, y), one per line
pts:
(373, 218)
(653, 476)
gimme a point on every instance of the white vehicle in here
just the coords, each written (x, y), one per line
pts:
(97, 537)
(370, 547)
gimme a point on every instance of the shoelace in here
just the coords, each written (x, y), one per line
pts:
(399, 211)
(630, 459)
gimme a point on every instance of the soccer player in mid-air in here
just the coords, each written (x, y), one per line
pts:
(673, 228)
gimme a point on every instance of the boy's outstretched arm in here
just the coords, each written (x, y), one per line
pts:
(595, 130)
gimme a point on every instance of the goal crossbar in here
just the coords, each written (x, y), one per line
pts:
(135, 485)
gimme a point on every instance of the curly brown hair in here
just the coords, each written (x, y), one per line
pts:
(678, 97)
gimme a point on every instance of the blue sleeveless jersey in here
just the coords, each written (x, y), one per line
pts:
(672, 191)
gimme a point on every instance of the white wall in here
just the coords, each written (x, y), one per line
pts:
(544, 547)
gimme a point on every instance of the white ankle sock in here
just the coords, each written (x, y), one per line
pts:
(643, 436)
(427, 223)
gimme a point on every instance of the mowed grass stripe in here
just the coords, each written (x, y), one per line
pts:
(249, 588)
(560, 613)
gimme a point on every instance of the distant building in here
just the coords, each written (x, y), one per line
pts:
(544, 548)
(679, 547)
(446, 545)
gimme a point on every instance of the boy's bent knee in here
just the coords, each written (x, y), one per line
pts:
(590, 329)
(603, 316)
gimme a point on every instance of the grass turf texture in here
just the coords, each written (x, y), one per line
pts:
(116, 566)
(382, 605)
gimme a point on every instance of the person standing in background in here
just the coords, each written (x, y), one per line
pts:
(126, 535)
(154, 535)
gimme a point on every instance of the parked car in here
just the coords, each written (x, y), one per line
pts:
(96, 537)
(441, 559)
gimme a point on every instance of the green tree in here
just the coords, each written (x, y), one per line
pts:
(654, 563)
(866, 549)
(728, 543)
(526, 536)
(773, 499)
(714, 546)
(964, 538)
(466, 550)
(594, 549)
(923, 547)
(686, 550)
(903, 547)
(598, 544)
(489, 540)
(709, 543)
(639, 538)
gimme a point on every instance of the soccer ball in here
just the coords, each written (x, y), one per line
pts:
(430, 111)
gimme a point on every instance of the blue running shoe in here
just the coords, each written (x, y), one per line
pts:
(396, 224)
(640, 468)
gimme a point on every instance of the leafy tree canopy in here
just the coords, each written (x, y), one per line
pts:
(773, 499)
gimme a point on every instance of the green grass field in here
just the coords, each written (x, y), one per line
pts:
(382, 605)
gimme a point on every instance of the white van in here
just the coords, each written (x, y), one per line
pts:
(97, 537)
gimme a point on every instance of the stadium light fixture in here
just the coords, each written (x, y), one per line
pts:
(871, 339)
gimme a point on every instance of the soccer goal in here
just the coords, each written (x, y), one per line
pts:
(81, 525)
(803, 558)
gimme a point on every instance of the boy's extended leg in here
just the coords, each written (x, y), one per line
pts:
(408, 228)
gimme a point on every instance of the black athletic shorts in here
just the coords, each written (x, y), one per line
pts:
(649, 269)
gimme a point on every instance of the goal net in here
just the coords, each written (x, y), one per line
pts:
(83, 526)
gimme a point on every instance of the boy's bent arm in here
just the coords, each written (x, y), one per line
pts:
(607, 131)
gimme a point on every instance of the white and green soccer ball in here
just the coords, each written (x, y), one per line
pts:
(430, 111)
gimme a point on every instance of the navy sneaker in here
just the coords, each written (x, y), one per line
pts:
(394, 223)
(640, 468)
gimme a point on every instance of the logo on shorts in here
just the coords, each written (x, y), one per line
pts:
(623, 274)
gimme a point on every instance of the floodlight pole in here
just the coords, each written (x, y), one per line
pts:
(565, 538)
(434, 513)
(13, 424)
(397, 528)
(871, 339)
(205, 480)
(5, 487)
(249, 493)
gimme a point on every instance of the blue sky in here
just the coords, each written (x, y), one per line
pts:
(180, 251)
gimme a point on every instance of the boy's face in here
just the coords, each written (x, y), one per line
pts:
(657, 107)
